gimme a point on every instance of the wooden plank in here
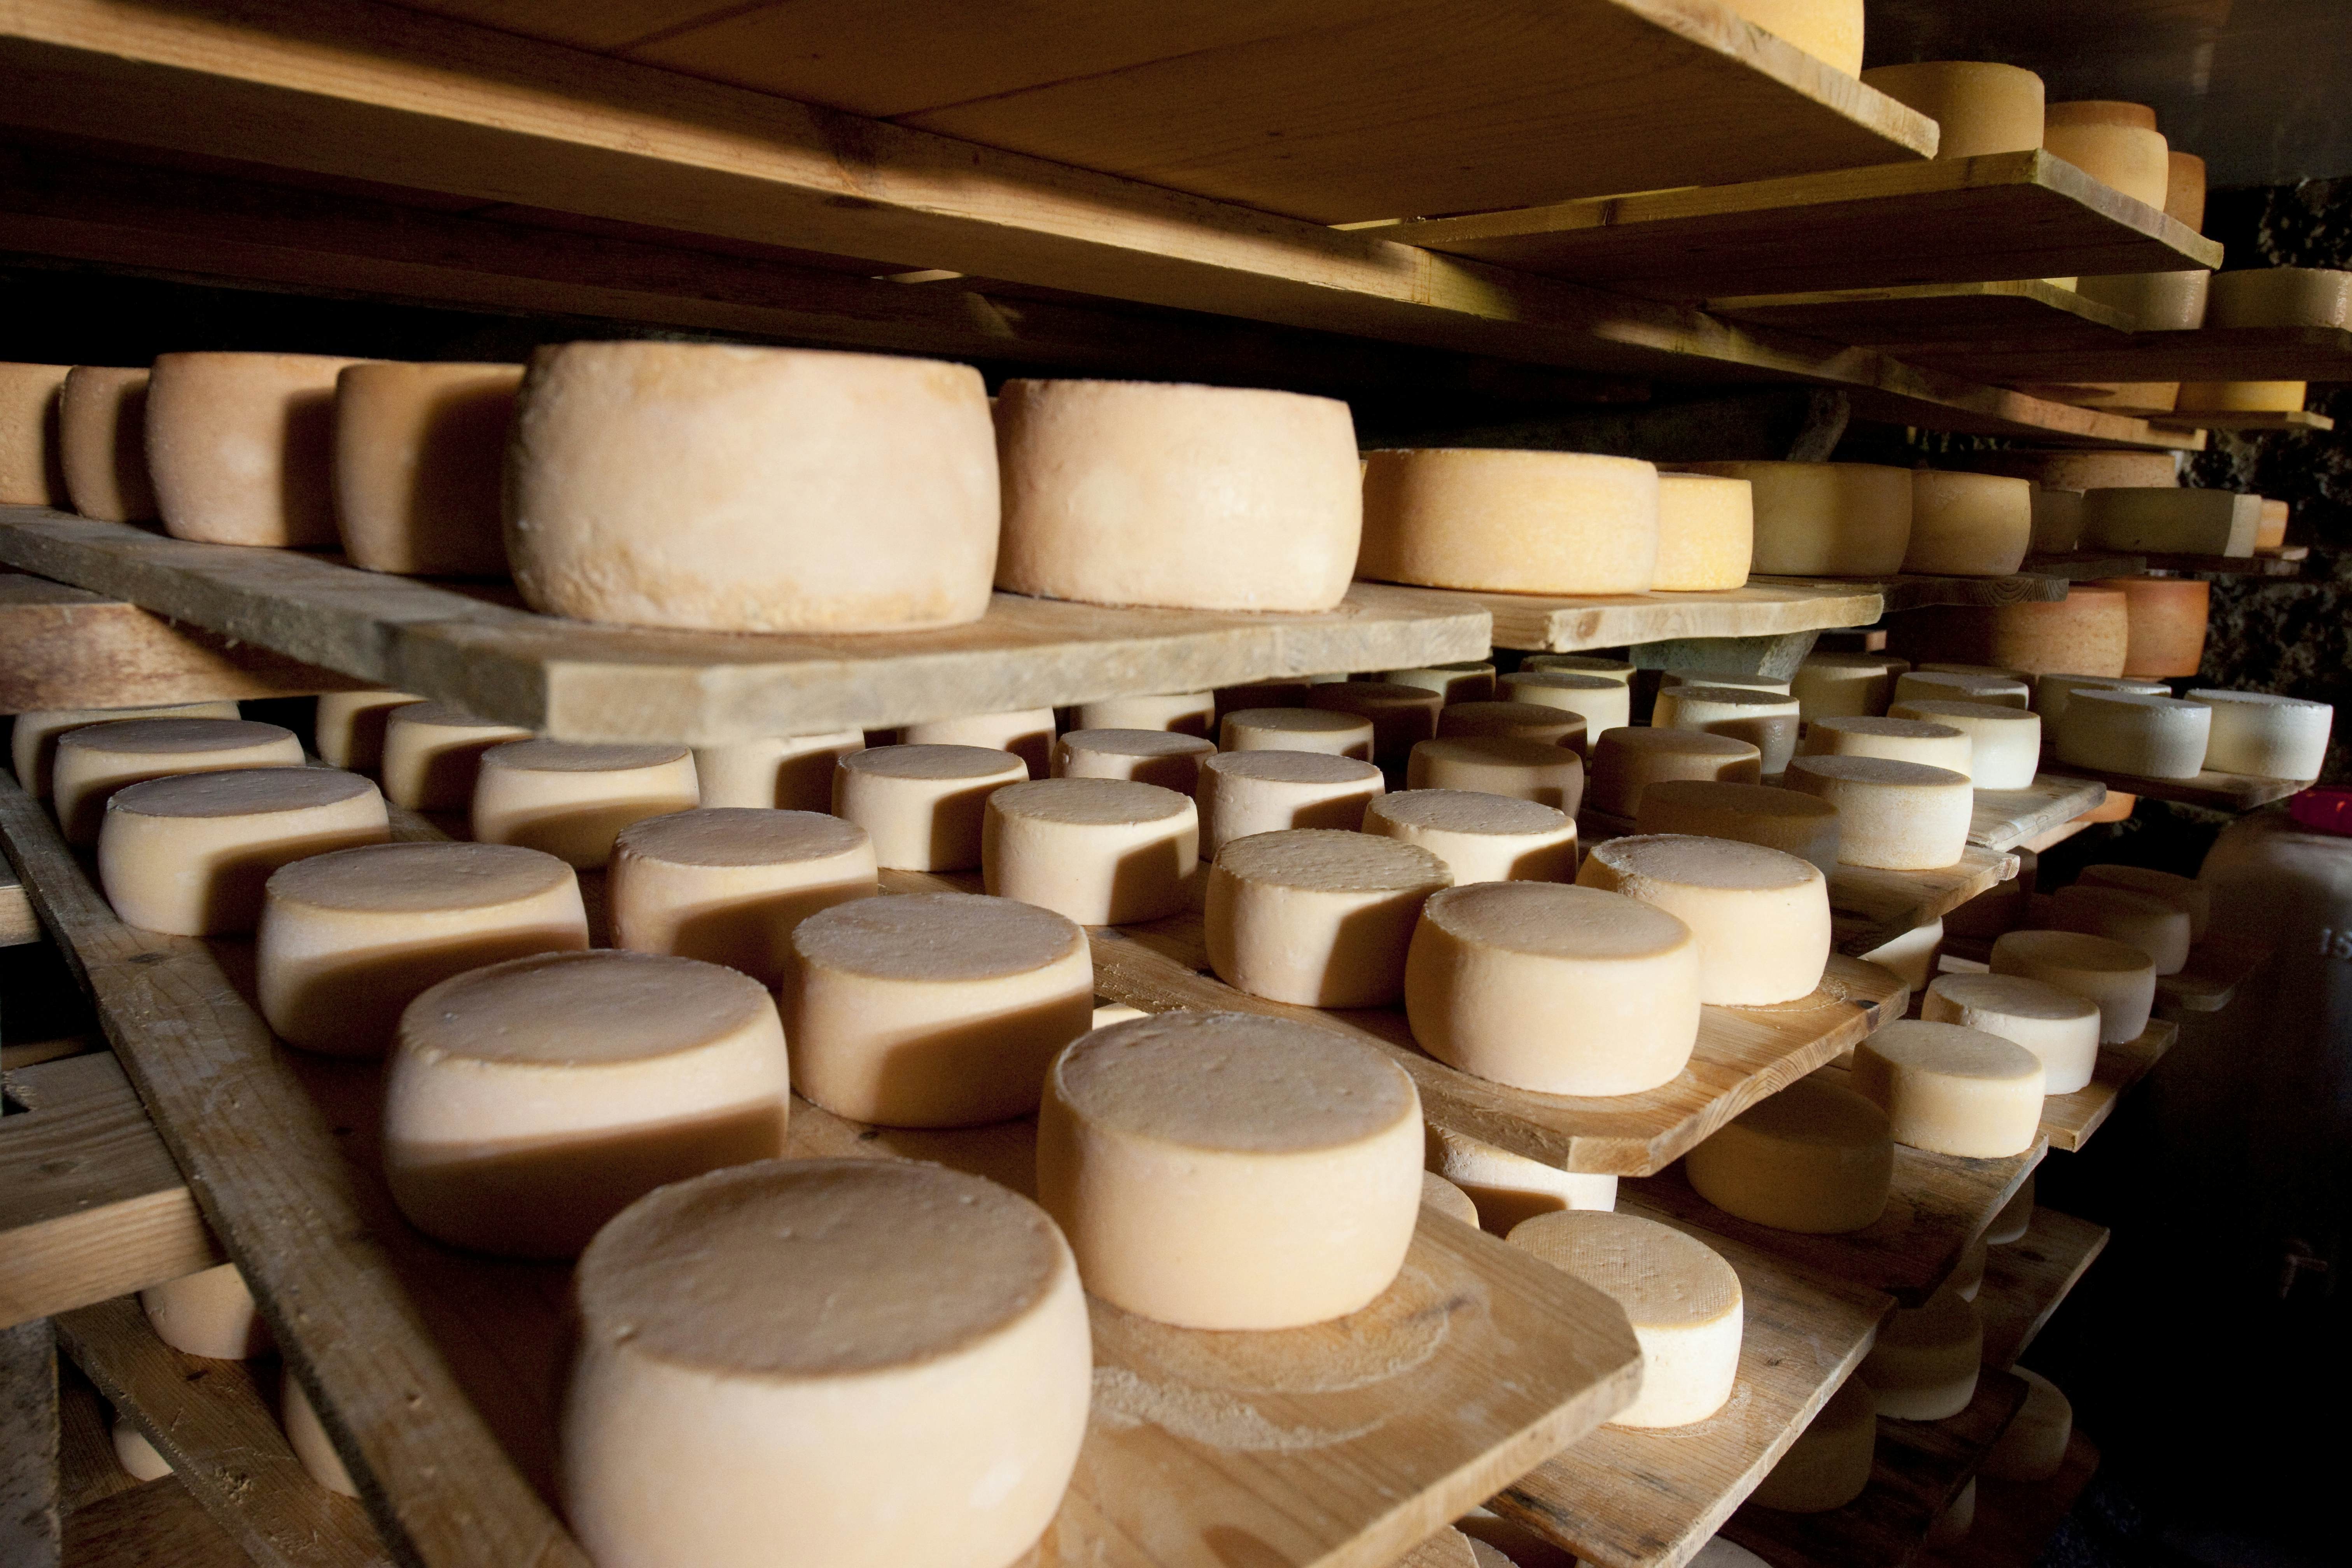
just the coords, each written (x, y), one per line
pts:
(2217, 966)
(153, 1525)
(578, 681)
(2087, 565)
(2005, 818)
(2016, 1519)
(1926, 317)
(67, 647)
(2206, 353)
(1764, 608)
(2027, 1279)
(2284, 420)
(2069, 1120)
(30, 1510)
(2213, 791)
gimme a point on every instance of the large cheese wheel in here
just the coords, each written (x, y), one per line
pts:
(189, 855)
(1963, 686)
(307, 1437)
(2180, 522)
(1761, 917)
(1605, 703)
(1627, 762)
(2057, 1026)
(2168, 623)
(786, 773)
(572, 800)
(1923, 1365)
(2052, 692)
(241, 446)
(1829, 1464)
(1027, 733)
(433, 755)
(102, 443)
(1500, 764)
(420, 459)
(1968, 525)
(1707, 532)
(2241, 398)
(2156, 302)
(1511, 521)
(1682, 1299)
(1507, 1187)
(1912, 955)
(2118, 977)
(2075, 468)
(1182, 713)
(2126, 733)
(1814, 1158)
(1951, 1090)
(1825, 519)
(1780, 819)
(1471, 681)
(2281, 297)
(347, 731)
(1231, 1171)
(207, 1313)
(1498, 970)
(2156, 927)
(1828, 30)
(1296, 730)
(1242, 794)
(137, 1456)
(2004, 744)
(1844, 685)
(2033, 1447)
(1892, 815)
(923, 806)
(2265, 734)
(2270, 534)
(1978, 106)
(32, 743)
(1102, 851)
(1765, 720)
(1402, 715)
(1169, 758)
(2186, 894)
(2184, 190)
(767, 1353)
(727, 884)
(1481, 838)
(96, 760)
(1520, 721)
(527, 1103)
(723, 487)
(30, 472)
(2057, 521)
(1906, 739)
(1582, 663)
(1317, 918)
(2113, 144)
(2088, 632)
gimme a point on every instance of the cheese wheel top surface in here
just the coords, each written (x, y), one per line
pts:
(1555, 920)
(934, 762)
(1297, 767)
(1875, 770)
(2072, 950)
(1894, 727)
(1811, 1111)
(1299, 720)
(2184, 893)
(1753, 800)
(1953, 1050)
(420, 878)
(1688, 860)
(1563, 680)
(1948, 712)
(2014, 996)
(243, 792)
(165, 737)
(937, 937)
(739, 836)
(1928, 685)
(440, 715)
(1468, 811)
(1661, 1277)
(1138, 743)
(573, 757)
(1091, 802)
(1328, 860)
(1585, 663)
(1675, 742)
(1503, 718)
(566, 1009)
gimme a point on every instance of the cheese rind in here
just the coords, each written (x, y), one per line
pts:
(2186, 894)
(309, 1440)
(1761, 917)
(1979, 107)
(189, 855)
(2033, 1447)
(32, 743)
(727, 885)
(1182, 713)
(1951, 1090)
(1961, 686)
(348, 729)
(1101, 851)
(2156, 927)
(1707, 532)
(2052, 692)
(782, 772)
(419, 459)
(572, 800)
(2270, 534)
(1027, 733)
(1892, 815)
(2281, 297)
(1242, 794)
(1296, 730)
(2171, 520)
(1168, 758)
(1825, 519)
(1627, 762)
(2087, 469)
(1471, 681)
(1402, 717)
(2112, 146)
(135, 1454)
(1968, 525)
(2057, 1026)
(2119, 978)
(1500, 764)
(30, 470)
(207, 1313)
(2126, 733)
(1317, 918)
(1604, 703)
(923, 806)
(1515, 721)
(2166, 619)
(1780, 819)
(1511, 521)
(2156, 301)
(1765, 720)
(1814, 1158)
(241, 446)
(1922, 1366)
(1507, 1187)
(2004, 744)
(1903, 737)
(95, 761)
(2265, 734)
(1844, 685)
(1829, 1464)
(102, 443)
(1447, 1199)
(1481, 838)
(433, 755)
(2015, 1218)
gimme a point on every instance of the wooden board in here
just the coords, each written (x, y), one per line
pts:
(2215, 792)
(2027, 1279)
(2085, 566)
(68, 647)
(2206, 353)
(155, 1524)
(2294, 419)
(2069, 1120)
(2217, 966)
(1928, 315)
(1536, 622)
(32, 1479)
(2005, 818)
(2016, 1519)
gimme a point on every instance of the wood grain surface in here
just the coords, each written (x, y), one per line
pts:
(67, 647)
(1932, 315)
(2005, 818)
(2027, 1279)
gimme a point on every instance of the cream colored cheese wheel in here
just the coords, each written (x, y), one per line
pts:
(2172, 521)
(207, 1313)
(2057, 517)
(2281, 297)
(1582, 663)
(727, 884)
(1231, 1171)
(1761, 917)
(32, 743)
(2156, 302)
(1169, 758)
(1961, 686)
(2271, 533)
(1825, 519)
(135, 1454)
(1498, 970)
(1205, 498)
(1481, 838)
(241, 446)
(787, 773)
(30, 474)
(1707, 532)
(1681, 1298)
(1952, 1526)
(2116, 145)
(1447, 1199)
(1912, 956)
(1297, 730)
(2015, 1218)
(348, 729)
(1317, 918)
(1027, 734)
(1242, 794)
(2126, 733)
(572, 800)
(1922, 1366)
(1180, 714)
(1765, 720)
(1471, 681)
(2166, 619)
(2052, 692)
(1951, 1090)
(2004, 744)
(102, 443)
(527, 1103)
(1967, 1278)
(1844, 685)
(2033, 1447)
(1510, 521)
(1814, 1158)
(1627, 762)
(922, 806)
(2057, 1026)
(767, 1353)
(1780, 819)
(1968, 525)
(2156, 927)
(2119, 978)
(2075, 468)
(1892, 815)
(95, 761)
(189, 855)
(2265, 734)
(1499, 765)
(1979, 107)
(349, 939)
(1101, 851)
(2241, 398)
(1906, 738)
(1287, 692)
(721, 487)
(933, 1009)
(310, 1441)
(1605, 703)
(1507, 1187)
(1828, 30)
(433, 755)
(2088, 632)
(419, 463)
(1402, 717)
(1515, 721)
(1829, 1464)
(2186, 894)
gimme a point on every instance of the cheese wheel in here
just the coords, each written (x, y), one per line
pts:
(1676, 678)
(727, 885)
(1317, 918)
(309, 1440)
(721, 487)
(1516, 720)
(2052, 692)
(2033, 1447)
(1951, 1090)
(1498, 968)
(527, 1103)
(1707, 532)
(207, 1313)
(1924, 741)
(1507, 1187)
(1922, 1366)
(2156, 302)
(767, 1353)
(2118, 977)
(1402, 717)
(33, 744)
(433, 755)
(1603, 703)
(1499, 765)
(2158, 929)
(419, 462)
(1510, 521)
(2126, 733)
(1761, 917)
(1447, 1199)
(2184, 190)
(1967, 1278)
(1101, 851)
(1968, 525)
(1912, 956)
(1472, 681)
(1814, 1158)
(2265, 734)
(1999, 907)
(1205, 498)
(2271, 532)
(1582, 663)
(1117, 1013)
(2116, 144)
(30, 472)
(2015, 1218)
(1480, 838)
(1825, 519)
(786, 773)
(96, 760)
(1765, 720)
(1169, 758)
(1828, 30)
(348, 729)
(2088, 631)
(2281, 297)
(1962, 685)
(1242, 794)
(1296, 730)
(1780, 819)
(1027, 734)
(1202, 1163)
(1283, 693)
(1182, 713)
(1952, 1526)
(1681, 1298)
(2241, 398)
(1979, 107)
(2186, 894)
(241, 446)
(1892, 815)
(189, 855)
(1844, 685)
(2178, 521)
(135, 1454)
(2168, 623)
(2082, 470)
(2057, 521)
(102, 443)
(1829, 1464)
(923, 806)
(572, 800)
(2058, 1026)
(2004, 744)
(933, 1009)
(1627, 762)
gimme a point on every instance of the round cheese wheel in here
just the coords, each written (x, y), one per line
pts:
(2184, 190)
(1242, 794)
(1844, 685)
(136, 1455)
(2080, 469)
(572, 800)
(1825, 519)
(1317, 918)
(2186, 894)
(95, 761)
(1447, 1199)
(1627, 762)
(1761, 917)
(2057, 519)
(1906, 739)
(722, 488)
(102, 443)
(1922, 1366)
(1968, 525)
(727, 884)
(1499, 765)
(1480, 838)
(1912, 956)
(309, 1440)
(32, 743)
(767, 1353)
(1779, 819)
(1510, 521)
(2058, 1026)
(2241, 398)
(433, 755)
(2126, 733)
(189, 855)
(1671, 679)
(2271, 533)
(2116, 145)
(2156, 301)
(2004, 744)
(1980, 106)
(1952, 1526)
(1814, 1158)
(1515, 721)
(1582, 663)
(1495, 968)
(2033, 1447)
(2265, 734)
(1828, 30)
(786, 773)
(419, 465)
(1472, 681)
(1892, 815)
(923, 806)
(1101, 851)
(2119, 978)
(1829, 1464)
(2189, 522)
(1290, 692)
(1961, 686)
(207, 1313)
(2280, 297)
(527, 1103)
(1182, 713)
(1206, 498)
(2167, 616)
(1951, 1090)
(1507, 1187)
(1967, 1278)
(2158, 928)
(2051, 691)
(1765, 720)
(1707, 532)
(348, 730)
(1117, 1013)
(241, 446)
(1603, 702)
(2015, 1218)
(1682, 1299)
(1196, 1160)
(1169, 758)
(1296, 730)
(1402, 715)
(1027, 733)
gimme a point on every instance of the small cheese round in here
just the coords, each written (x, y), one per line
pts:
(32, 743)
(2119, 978)
(1922, 1366)
(1582, 663)
(1829, 1464)
(1761, 917)
(923, 806)
(2126, 733)
(419, 467)
(207, 1313)
(1231, 1171)
(2015, 1218)
(1168, 758)
(2004, 744)
(1180, 713)
(1317, 918)
(189, 855)
(2057, 520)
(2184, 893)
(2271, 535)
(1471, 681)
(2116, 145)
(1287, 692)
(433, 755)
(527, 1103)
(769, 1353)
(1951, 1090)
(1952, 1526)
(1604, 703)
(136, 1455)
(1511, 521)
(309, 1440)
(727, 884)
(2033, 1447)
(1027, 733)
(2241, 398)
(1102, 851)
(1682, 1299)
(1499, 764)
(1242, 794)
(2058, 1026)
(2088, 632)
(1961, 686)
(1968, 525)
(1814, 1158)
(2052, 692)
(784, 773)
(1779, 819)
(1967, 1277)
(1562, 727)
(933, 1009)
(2167, 617)
(1117, 1013)
(2156, 301)
(2280, 297)
(2184, 190)
(102, 443)
(2167, 518)
(1906, 739)
(1828, 30)
(1627, 762)
(572, 800)
(1447, 1199)
(1562, 990)
(1765, 720)
(1481, 838)
(1844, 685)
(2265, 734)
(2156, 927)
(1707, 532)
(1825, 519)
(96, 760)
(1892, 815)
(1980, 106)
(2081, 468)
(241, 446)
(1402, 715)
(1507, 1187)
(348, 729)
(1296, 730)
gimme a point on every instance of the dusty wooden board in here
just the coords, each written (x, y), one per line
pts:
(1536, 623)
(156, 1524)
(1918, 591)
(32, 1479)
(2213, 791)
(2005, 818)
(2206, 353)
(2027, 1279)
(2284, 420)
(1926, 316)
(2069, 1120)
(67, 647)
(1628, 1497)
(2016, 1519)
(583, 682)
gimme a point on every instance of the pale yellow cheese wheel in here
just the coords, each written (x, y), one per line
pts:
(1317, 918)
(207, 1313)
(2128, 732)
(786, 773)
(1626, 762)
(1518, 721)
(1780, 819)
(1814, 1158)
(1968, 525)
(2188, 521)
(33, 743)
(2004, 744)
(309, 1440)
(1979, 107)
(1443, 1196)
(1507, 1187)
(2158, 926)
(1825, 519)
(1582, 663)
(1296, 730)
(419, 462)
(347, 731)
(922, 806)
(727, 884)
(1892, 815)
(1169, 758)
(2059, 1026)
(1603, 703)
(1904, 738)
(572, 800)
(1707, 532)
(2119, 978)
(241, 446)
(1761, 917)
(1182, 713)
(1765, 720)
(2078, 468)
(433, 755)
(1402, 715)
(30, 472)
(2113, 145)
(1027, 733)
(1912, 956)
(1101, 851)
(1511, 521)
(1683, 1302)
(96, 760)
(1829, 1464)
(2185, 893)
(1246, 793)
(2033, 1447)
(1500, 764)
(1481, 838)
(1951, 1090)
(135, 1454)
(189, 855)
(1845, 685)
(1470, 680)
(102, 443)
(2015, 1218)
(1922, 1366)
(1828, 30)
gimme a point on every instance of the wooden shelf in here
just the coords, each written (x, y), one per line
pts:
(1536, 623)
(2069, 1120)
(1915, 590)
(2016, 1519)
(1928, 317)
(2298, 419)
(2026, 1279)
(2206, 353)
(68, 647)
(19, 925)
(2083, 566)
(2006, 818)
(2215, 792)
